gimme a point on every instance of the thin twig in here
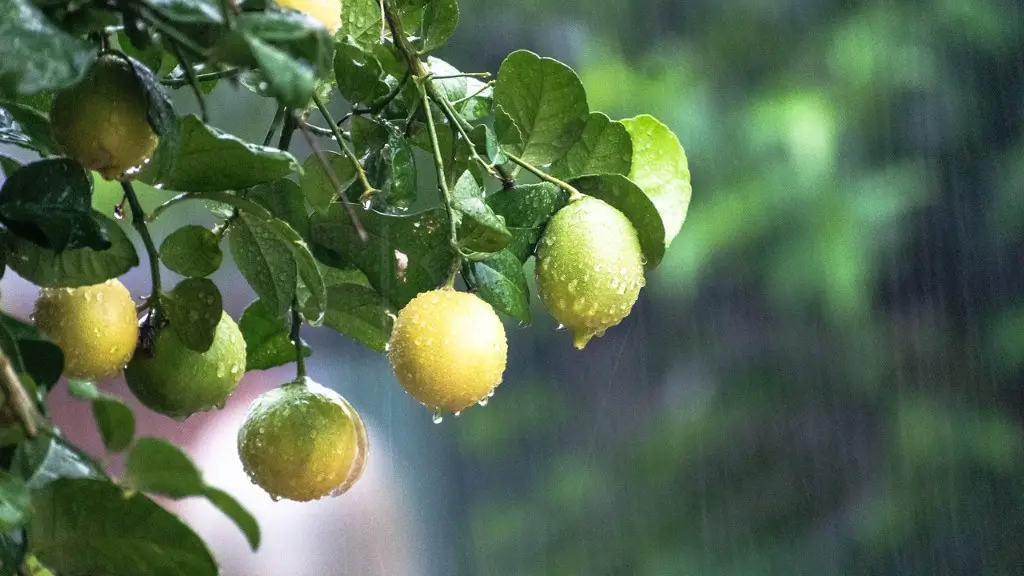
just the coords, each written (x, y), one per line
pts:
(190, 76)
(368, 188)
(461, 75)
(18, 398)
(274, 125)
(204, 77)
(336, 183)
(155, 19)
(573, 192)
(300, 361)
(139, 223)
(442, 182)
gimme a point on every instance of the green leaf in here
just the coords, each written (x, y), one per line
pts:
(315, 184)
(308, 269)
(661, 170)
(72, 268)
(480, 229)
(267, 338)
(85, 526)
(486, 144)
(49, 202)
(440, 17)
(15, 501)
(192, 250)
(411, 254)
(471, 98)
(500, 281)
(188, 11)
(629, 199)
(36, 353)
(265, 260)
(26, 127)
(35, 55)
(234, 510)
(291, 82)
(544, 100)
(194, 309)
(361, 23)
(12, 552)
(360, 313)
(604, 147)
(283, 198)
(114, 419)
(359, 73)
(526, 209)
(155, 465)
(207, 159)
(159, 112)
(401, 176)
(368, 136)
(46, 458)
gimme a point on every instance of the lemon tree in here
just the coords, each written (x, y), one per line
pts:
(346, 238)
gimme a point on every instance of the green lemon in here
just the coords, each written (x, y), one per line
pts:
(177, 381)
(448, 349)
(95, 326)
(590, 268)
(302, 442)
(102, 122)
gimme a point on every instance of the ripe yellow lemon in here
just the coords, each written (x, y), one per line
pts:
(448, 349)
(177, 381)
(589, 268)
(302, 442)
(101, 121)
(96, 326)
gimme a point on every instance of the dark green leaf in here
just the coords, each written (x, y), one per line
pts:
(159, 113)
(361, 313)
(411, 254)
(266, 260)
(155, 465)
(231, 508)
(359, 74)
(401, 177)
(291, 82)
(362, 23)
(40, 357)
(46, 458)
(9, 165)
(35, 55)
(544, 100)
(480, 229)
(604, 147)
(629, 199)
(208, 159)
(661, 170)
(188, 11)
(440, 17)
(315, 184)
(309, 271)
(267, 338)
(283, 198)
(500, 281)
(192, 250)
(71, 268)
(27, 127)
(471, 98)
(368, 136)
(84, 526)
(526, 210)
(15, 501)
(12, 552)
(486, 144)
(194, 309)
(49, 202)
(113, 418)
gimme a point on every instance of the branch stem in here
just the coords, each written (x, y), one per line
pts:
(368, 189)
(139, 223)
(442, 182)
(18, 398)
(204, 77)
(573, 192)
(190, 76)
(296, 338)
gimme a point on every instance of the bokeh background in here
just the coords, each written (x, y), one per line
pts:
(825, 375)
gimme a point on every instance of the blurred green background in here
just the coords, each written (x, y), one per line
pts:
(825, 375)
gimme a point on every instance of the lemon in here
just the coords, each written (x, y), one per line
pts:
(95, 326)
(327, 12)
(302, 442)
(590, 268)
(448, 349)
(177, 381)
(101, 121)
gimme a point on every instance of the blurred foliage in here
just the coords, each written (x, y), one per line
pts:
(826, 376)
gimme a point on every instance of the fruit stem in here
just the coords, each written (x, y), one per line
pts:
(574, 194)
(453, 119)
(300, 361)
(274, 125)
(19, 398)
(442, 182)
(139, 222)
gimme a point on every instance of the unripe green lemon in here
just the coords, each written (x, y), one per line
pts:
(302, 442)
(327, 12)
(101, 121)
(448, 349)
(177, 381)
(589, 268)
(95, 326)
